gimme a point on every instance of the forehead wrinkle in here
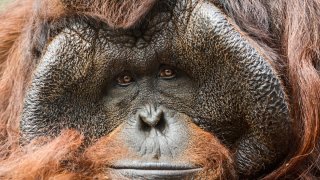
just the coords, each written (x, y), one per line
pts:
(140, 61)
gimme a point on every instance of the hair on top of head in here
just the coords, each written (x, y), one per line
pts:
(120, 13)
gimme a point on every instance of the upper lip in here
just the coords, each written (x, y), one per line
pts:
(153, 166)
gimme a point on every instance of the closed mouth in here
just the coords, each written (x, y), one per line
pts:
(154, 170)
(153, 166)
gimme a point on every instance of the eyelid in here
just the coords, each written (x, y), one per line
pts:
(120, 79)
(164, 68)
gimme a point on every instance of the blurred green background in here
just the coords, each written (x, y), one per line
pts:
(2, 2)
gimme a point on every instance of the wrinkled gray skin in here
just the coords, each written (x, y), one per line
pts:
(222, 83)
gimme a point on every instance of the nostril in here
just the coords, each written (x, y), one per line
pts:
(144, 127)
(161, 124)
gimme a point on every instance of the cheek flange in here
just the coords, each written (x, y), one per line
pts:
(243, 88)
(52, 101)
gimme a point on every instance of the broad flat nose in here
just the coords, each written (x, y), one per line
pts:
(151, 115)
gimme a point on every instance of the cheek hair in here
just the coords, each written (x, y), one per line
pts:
(206, 151)
(36, 161)
(61, 158)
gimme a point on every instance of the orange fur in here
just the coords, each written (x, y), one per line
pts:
(203, 146)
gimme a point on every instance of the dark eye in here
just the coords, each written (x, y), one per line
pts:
(167, 72)
(125, 79)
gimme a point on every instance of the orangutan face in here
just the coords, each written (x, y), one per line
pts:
(181, 95)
